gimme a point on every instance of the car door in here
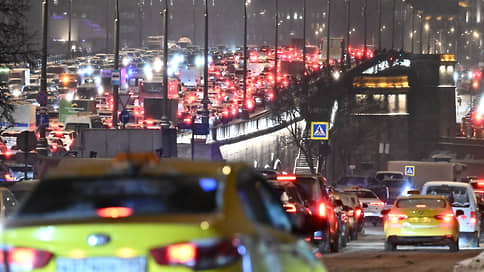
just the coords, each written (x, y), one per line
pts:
(274, 248)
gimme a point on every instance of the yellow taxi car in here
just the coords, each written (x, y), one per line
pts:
(421, 220)
(95, 215)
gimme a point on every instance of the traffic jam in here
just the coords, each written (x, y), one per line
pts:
(139, 212)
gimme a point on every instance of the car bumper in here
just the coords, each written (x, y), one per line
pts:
(422, 240)
(414, 230)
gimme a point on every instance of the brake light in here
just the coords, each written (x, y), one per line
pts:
(446, 217)
(8, 154)
(8, 177)
(27, 258)
(290, 208)
(473, 218)
(377, 203)
(181, 253)
(286, 178)
(358, 212)
(421, 206)
(114, 212)
(322, 210)
(394, 218)
(201, 255)
(351, 212)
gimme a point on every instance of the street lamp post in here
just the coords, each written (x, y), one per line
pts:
(205, 100)
(427, 28)
(140, 22)
(42, 144)
(106, 45)
(328, 30)
(365, 30)
(402, 21)
(276, 47)
(246, 59)
(380, 10)
(413, 31)
(304, 38)
(348, 18)
(421, 32)
(165, 123)
(394, 11)
(116, 63)
(69, 32)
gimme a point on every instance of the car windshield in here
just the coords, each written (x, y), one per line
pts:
(82, 198)
(457, 195)
(421, 203)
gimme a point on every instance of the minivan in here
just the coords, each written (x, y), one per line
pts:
(464, 204)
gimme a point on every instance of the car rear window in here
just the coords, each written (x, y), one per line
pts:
(365, 194)
(309, 188)
(457, 195)
(82, 198)
(421, 203)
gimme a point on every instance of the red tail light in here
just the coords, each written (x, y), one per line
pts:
(286, 178)
(322, 210)
(181, 253)
(201, 255)
(290, 208)
(27, 258)
(358, 212)
(351, 213)
(394, 218)
(114, 212)
(446, 217)
(473, 218)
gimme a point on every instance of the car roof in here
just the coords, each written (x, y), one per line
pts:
(422, 196)
(448, 183)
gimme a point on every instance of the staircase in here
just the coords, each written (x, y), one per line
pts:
(301, 165)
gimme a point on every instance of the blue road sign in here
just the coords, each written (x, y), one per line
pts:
(42, 120)
(319, 131)
(41, 98)
(409, 170)
(124, 117)
(116, 77)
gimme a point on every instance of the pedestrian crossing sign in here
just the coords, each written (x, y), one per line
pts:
(409, 170)
(319, 131)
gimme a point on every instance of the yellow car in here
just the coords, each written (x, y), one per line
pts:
(94, 215)
(421, 220)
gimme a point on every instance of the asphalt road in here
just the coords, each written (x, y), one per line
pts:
(367, 254)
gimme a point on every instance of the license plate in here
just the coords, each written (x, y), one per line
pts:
(101, 264)
(419, 220)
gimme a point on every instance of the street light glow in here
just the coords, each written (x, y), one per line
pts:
(427, 26)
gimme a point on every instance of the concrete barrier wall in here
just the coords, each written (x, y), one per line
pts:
(108, 143)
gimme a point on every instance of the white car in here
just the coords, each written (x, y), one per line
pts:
(464, 204)
(372, 204)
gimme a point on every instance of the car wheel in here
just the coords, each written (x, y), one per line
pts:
(343, 239)
(354, 235)
(454, 246)
(323, 246)
(389, 246)
(334, 245)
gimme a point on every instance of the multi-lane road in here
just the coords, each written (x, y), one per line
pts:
(367, 254)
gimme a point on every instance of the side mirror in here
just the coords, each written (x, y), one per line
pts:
(459, 213)
(385, 212)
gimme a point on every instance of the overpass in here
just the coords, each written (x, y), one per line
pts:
(412, 108)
